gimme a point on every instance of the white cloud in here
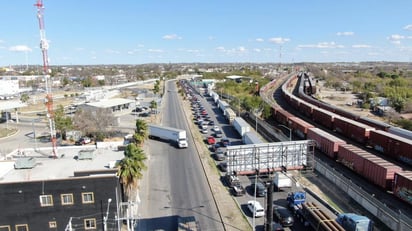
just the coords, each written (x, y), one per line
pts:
(260, 40)
(396, 37)
(110, 51)
(155, 50)
(140, 45)
(20, 48)
(257, 50)
(211, 38)
(346, 33)
(220, 49)
(361, 46)
(241, 49)
(322, 45)
(279, 40)
(171, 37)
(408, 27)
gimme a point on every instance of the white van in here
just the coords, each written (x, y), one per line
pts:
(256, 208)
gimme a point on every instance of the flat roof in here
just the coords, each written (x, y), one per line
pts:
(107, 103)
(11, 104)
(47, 168)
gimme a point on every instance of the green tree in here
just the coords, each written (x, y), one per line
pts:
(24, 98)
(142, 132)
(156, 87)
(130, 169)
(62, 122)
(153, 105)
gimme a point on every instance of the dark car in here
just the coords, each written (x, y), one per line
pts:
(283, 215)
(222, 166)
(238, 189)
(260, 189)
(211, 122)
(220, 154)
(225, 142)
(216, 146)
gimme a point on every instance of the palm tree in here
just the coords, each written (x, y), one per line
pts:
(130, 168)
(142, 132)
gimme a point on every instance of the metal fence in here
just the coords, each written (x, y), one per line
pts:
(395, 220)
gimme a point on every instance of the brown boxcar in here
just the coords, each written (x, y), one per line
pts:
(282, 116)
(325, 142)
(380, 172)
(306, 109)
(392, 145)
(402, 186)
(323, 117)
(351, 129)
(299, 126)
(352, 157)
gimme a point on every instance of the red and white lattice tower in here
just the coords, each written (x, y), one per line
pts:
(44, 46)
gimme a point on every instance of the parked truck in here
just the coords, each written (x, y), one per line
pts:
(281, 181)
(230, 115)
(251, 138)
(174, 135)
(311, 214)
(241, 126)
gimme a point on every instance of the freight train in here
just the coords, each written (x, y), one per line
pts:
(377, 170)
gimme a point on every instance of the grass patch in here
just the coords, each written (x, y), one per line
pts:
(4, 132)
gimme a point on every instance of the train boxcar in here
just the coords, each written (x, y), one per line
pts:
(299, 126)
(323, 117)
(306, 109)
(341, 112)
(380, 172)
(352, 129)
(352, 157)
(402, 186)
(374, 123)
(325, 142)
(295, 102)
(282, 116)
(392, 145)
(369, 166)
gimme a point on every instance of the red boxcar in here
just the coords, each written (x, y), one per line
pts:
(282, 116)
(354, 130)
(306, 109)
(323, 117)
(299, 126)
(325, 142)
(392, 145)
(353, 157)
(375, 169)
(380, 172)
(402, 186)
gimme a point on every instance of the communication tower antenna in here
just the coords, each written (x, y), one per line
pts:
(44, 46)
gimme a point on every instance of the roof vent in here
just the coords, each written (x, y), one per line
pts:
(25, 163)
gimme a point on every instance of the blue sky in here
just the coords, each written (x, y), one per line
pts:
(82, 32)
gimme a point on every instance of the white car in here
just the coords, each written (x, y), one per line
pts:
(256, 208)
(216, 128)
(204, 130)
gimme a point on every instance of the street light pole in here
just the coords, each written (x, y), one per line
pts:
(290, 131)
(107, 215)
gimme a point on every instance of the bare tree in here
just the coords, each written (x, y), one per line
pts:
(95, 122)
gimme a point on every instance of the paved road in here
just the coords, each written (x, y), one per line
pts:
(175, 183)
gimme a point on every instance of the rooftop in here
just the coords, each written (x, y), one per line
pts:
(46, 168)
